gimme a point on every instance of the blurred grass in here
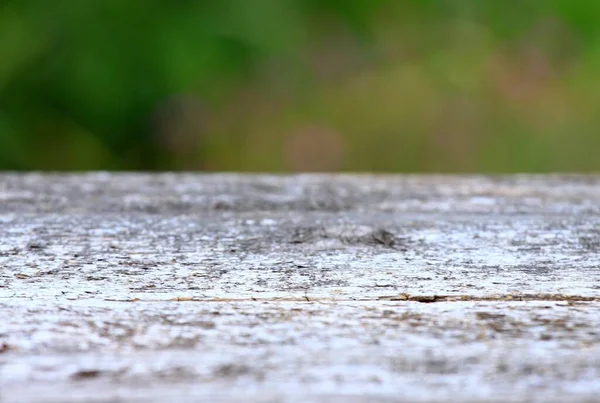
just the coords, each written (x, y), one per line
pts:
(300, 85)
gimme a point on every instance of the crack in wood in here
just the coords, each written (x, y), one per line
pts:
(490, 298)
(388, 298)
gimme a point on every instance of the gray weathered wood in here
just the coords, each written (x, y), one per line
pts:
(319, 288)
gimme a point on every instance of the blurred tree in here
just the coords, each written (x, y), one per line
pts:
(152, 84)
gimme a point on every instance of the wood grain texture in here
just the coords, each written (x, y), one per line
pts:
(222, 287)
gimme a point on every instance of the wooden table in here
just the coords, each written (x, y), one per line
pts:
(312, 288)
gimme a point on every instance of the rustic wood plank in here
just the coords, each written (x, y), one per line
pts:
(309, 287)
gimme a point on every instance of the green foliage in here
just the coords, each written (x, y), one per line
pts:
(84, 84)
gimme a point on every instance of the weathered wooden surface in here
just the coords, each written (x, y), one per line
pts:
(299, 288)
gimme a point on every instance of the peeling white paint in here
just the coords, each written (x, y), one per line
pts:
(72, 246)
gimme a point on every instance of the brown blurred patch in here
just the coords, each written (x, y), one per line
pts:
(180, 126)
(314, 148)
(522, 73)
(556, 41)
(336, 57)
(454, 134)
(521, 76)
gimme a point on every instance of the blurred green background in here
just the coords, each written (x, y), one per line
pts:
(300, 85)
